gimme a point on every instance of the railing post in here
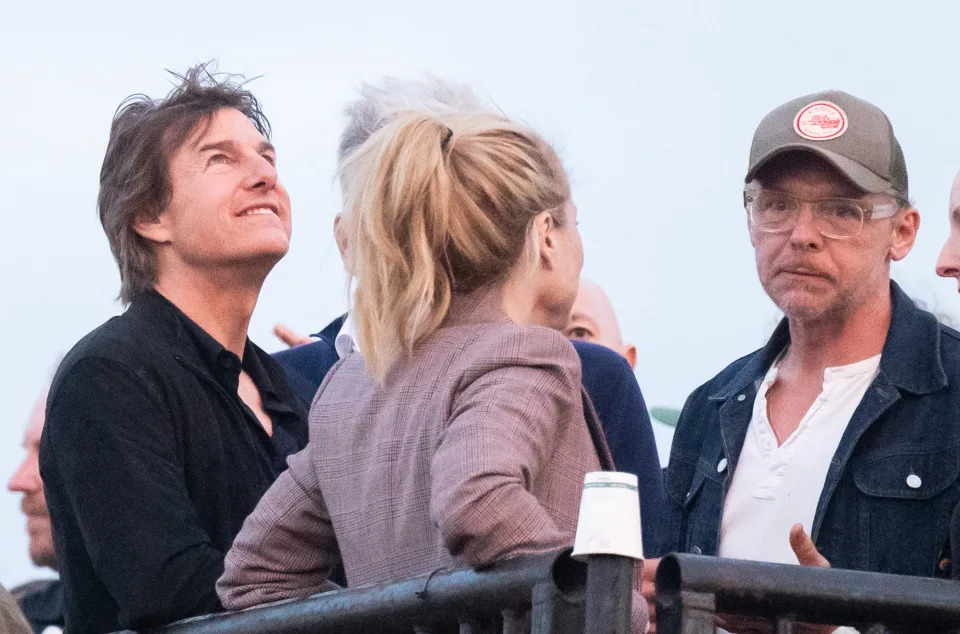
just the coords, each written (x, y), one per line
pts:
(686, 612)
(609, 594)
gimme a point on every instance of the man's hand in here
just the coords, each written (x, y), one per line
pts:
(649, 590)
(289, 337)
(803, 547)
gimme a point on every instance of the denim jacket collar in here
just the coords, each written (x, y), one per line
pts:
(910, 360)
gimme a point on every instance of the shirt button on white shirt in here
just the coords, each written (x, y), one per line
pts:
(914, 481)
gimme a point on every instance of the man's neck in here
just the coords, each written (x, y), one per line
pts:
(222, 307)
(838, 340)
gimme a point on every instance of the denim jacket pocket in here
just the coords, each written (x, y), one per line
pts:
(909, 475)
(904, 511)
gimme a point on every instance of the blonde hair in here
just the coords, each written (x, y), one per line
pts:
(438, 207)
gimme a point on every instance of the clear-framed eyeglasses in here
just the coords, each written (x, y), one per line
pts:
(772, 211)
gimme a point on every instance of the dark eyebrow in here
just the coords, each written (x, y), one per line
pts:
(223, 146)
(228, 146)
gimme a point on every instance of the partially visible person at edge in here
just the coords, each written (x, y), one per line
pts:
(609, 381)
(463, 391)
(594, 320)
(41, 600)
(12, 620)
(165, 425)
(842, 434)
(948, 265)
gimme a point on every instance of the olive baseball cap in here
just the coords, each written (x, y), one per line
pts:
(851, 134)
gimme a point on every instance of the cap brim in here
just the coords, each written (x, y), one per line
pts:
(856, 173)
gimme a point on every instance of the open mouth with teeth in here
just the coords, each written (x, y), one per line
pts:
(257, 211)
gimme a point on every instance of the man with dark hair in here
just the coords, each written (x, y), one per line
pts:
(840, 436)
(165, 425)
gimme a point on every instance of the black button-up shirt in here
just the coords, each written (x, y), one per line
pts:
(151, 462)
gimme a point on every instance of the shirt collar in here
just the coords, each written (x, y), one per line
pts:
(221, 363)
(346, 340)
(910, 359)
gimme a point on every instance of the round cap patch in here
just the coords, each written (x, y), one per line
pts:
(820, 121)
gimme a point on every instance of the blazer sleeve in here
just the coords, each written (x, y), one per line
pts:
(522, 390)
(286, 548)
(112, 467)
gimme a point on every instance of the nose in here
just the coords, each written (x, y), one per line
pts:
(26, 479)
(948, 264)
(263, 174)
(805, 234)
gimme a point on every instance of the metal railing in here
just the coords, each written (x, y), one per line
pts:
(692, 590)
(543, 594)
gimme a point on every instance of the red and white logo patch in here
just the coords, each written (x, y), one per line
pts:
(820, 121)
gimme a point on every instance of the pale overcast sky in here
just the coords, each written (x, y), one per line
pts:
(652, 106)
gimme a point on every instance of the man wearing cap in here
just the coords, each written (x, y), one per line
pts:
(842, 434)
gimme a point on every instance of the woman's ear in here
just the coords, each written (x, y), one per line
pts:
(545, 227)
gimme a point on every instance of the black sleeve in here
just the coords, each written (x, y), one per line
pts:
(114, 446)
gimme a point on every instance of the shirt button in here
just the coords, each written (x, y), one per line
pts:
(721, 465)
(914, 481)
(742, 398)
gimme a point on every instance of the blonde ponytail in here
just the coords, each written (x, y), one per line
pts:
(437, 207)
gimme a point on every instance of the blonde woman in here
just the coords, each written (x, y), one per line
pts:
(456, 436)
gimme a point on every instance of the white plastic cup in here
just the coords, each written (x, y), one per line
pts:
(609, 521)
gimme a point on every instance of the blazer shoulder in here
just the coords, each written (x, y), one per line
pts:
(509, 341)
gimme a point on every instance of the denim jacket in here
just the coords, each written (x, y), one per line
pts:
(868, 517)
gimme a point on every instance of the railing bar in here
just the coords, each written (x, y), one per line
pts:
(469, 625)
(785, 625)
(810, 594)
(513, 623)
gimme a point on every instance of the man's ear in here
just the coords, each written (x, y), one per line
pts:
(904, 233)
(630, 354)
(544, 226)
(155, 230)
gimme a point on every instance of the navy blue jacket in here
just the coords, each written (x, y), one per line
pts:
(868, 518)
(612, 388)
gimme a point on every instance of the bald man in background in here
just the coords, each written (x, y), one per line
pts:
(592, 319)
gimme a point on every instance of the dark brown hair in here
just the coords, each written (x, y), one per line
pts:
(135, 178)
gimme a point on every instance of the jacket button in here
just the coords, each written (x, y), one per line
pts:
(696, 550)
(944, 564)
(914, 481)
(721, 465)
(742, 398)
